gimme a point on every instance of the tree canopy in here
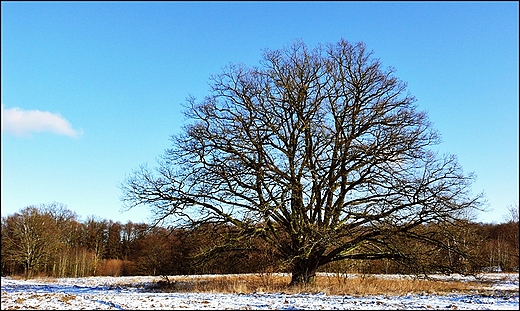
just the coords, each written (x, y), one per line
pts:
(320, 152)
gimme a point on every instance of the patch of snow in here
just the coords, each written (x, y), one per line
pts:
(125, 293)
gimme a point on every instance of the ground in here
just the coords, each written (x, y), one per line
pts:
(133, 293)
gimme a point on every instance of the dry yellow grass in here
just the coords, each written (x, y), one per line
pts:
(352, 285)
(49, 279)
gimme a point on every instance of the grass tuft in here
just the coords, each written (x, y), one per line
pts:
(352, 285)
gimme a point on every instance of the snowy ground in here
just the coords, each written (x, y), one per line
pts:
(130, 293)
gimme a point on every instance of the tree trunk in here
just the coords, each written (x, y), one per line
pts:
(303, 273)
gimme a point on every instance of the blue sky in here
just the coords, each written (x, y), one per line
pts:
(91, 90)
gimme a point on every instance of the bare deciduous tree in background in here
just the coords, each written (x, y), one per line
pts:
(320, 152)
(32, 236)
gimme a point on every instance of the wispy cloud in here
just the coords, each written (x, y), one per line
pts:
(24, 122)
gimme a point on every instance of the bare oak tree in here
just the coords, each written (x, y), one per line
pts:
(320, 152)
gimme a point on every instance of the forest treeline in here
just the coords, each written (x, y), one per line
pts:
(50, 240)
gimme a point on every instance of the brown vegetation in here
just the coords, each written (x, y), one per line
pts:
(71, 248)
(356, 285)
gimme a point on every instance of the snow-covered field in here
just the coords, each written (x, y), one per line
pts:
(132, 293)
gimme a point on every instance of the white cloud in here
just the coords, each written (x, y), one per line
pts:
(24, 122)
